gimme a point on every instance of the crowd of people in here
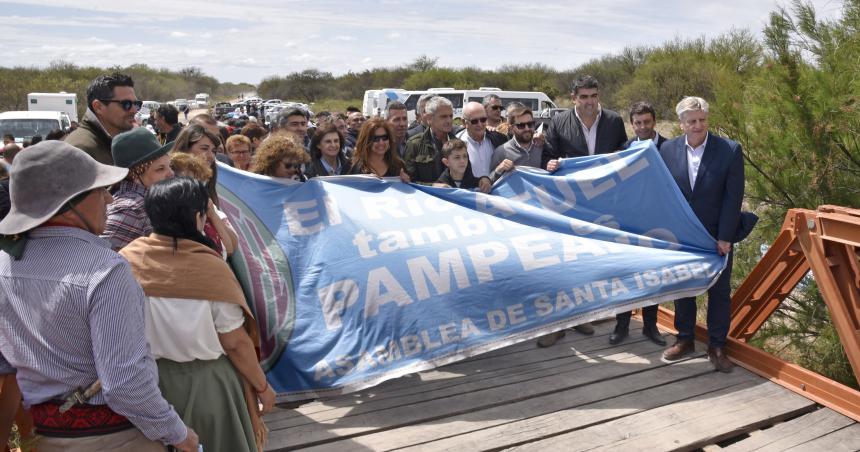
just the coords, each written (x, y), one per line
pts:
(119, 316)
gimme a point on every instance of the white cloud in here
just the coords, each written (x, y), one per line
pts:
(344, 38)
(178, 34)
(393, 35)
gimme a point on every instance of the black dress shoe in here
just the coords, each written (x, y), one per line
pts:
(651, 332)
(618, 335)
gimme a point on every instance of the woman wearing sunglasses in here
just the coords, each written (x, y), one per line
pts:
(374, 153)
(281, 156)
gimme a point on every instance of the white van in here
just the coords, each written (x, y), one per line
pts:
(375, 100)
(201, 100)
(27, 124)
(62, 101)
(534, 100)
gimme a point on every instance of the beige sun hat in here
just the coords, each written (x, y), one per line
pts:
(45, 177)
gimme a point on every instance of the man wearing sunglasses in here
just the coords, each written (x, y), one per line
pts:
(493, 106)
(111, 106)
(480, 142)
(586, 129)
(521, 150)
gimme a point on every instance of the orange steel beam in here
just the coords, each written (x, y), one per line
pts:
(768, 284)
(826, 241)
(830, 242)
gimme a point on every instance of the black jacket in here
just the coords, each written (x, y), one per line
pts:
(315, 168)
(660, 140)
(565, 138)
(469, 179)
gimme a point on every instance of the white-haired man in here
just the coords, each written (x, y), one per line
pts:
(423, 155)
(709, 170)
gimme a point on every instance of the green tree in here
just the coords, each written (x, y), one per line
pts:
(798, 122)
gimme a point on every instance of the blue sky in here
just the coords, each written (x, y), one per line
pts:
(247, 41)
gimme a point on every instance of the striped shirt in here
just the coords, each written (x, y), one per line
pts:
(70, 313)
(126, 219)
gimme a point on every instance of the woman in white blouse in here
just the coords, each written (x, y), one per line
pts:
(201, 332)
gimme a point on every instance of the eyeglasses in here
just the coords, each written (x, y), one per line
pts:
(475, 121)
(238, 152)
(525, 125)
(378, 138)
(291, 165)
(495, 107)
(125, 104)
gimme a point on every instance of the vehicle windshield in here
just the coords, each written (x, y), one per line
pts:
(22, 128)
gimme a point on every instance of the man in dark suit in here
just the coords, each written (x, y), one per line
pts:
(643, 118)
(709, 170)
(585, 129)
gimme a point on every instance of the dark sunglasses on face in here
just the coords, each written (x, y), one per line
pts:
(523, 125)
(477, 120)
(378, 138)
(125, 104)
(291, 165)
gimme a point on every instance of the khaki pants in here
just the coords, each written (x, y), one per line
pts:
(125, 441)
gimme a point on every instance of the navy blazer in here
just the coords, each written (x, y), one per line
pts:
(716, 199)
(564, 136)
(658, 142)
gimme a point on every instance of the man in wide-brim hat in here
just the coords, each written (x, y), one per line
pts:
(71, 313)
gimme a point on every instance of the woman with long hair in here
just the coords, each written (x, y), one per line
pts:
(374, 153)
(198, 324)
(195, 139)
(327, 157)
(202, 144)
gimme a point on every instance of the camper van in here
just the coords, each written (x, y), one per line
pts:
(201, 100)
(62, 101)
(375, 100)
(534, 100)
(27, 124)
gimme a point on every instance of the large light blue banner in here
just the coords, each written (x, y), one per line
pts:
(356, 280)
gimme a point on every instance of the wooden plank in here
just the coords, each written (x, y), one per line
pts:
(612, 366)
(562, 361)
(793, 432)
(686, 425)
(845, 439)
(536, 418)
(510, 360)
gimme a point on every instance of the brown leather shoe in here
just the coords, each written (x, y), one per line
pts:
(550, 339)
(717, 356)
(680, 349)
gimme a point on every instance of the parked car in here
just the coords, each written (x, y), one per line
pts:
(181, 104)
(146, 110)
(221, 109)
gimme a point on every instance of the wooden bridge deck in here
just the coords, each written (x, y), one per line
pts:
(581, 394)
